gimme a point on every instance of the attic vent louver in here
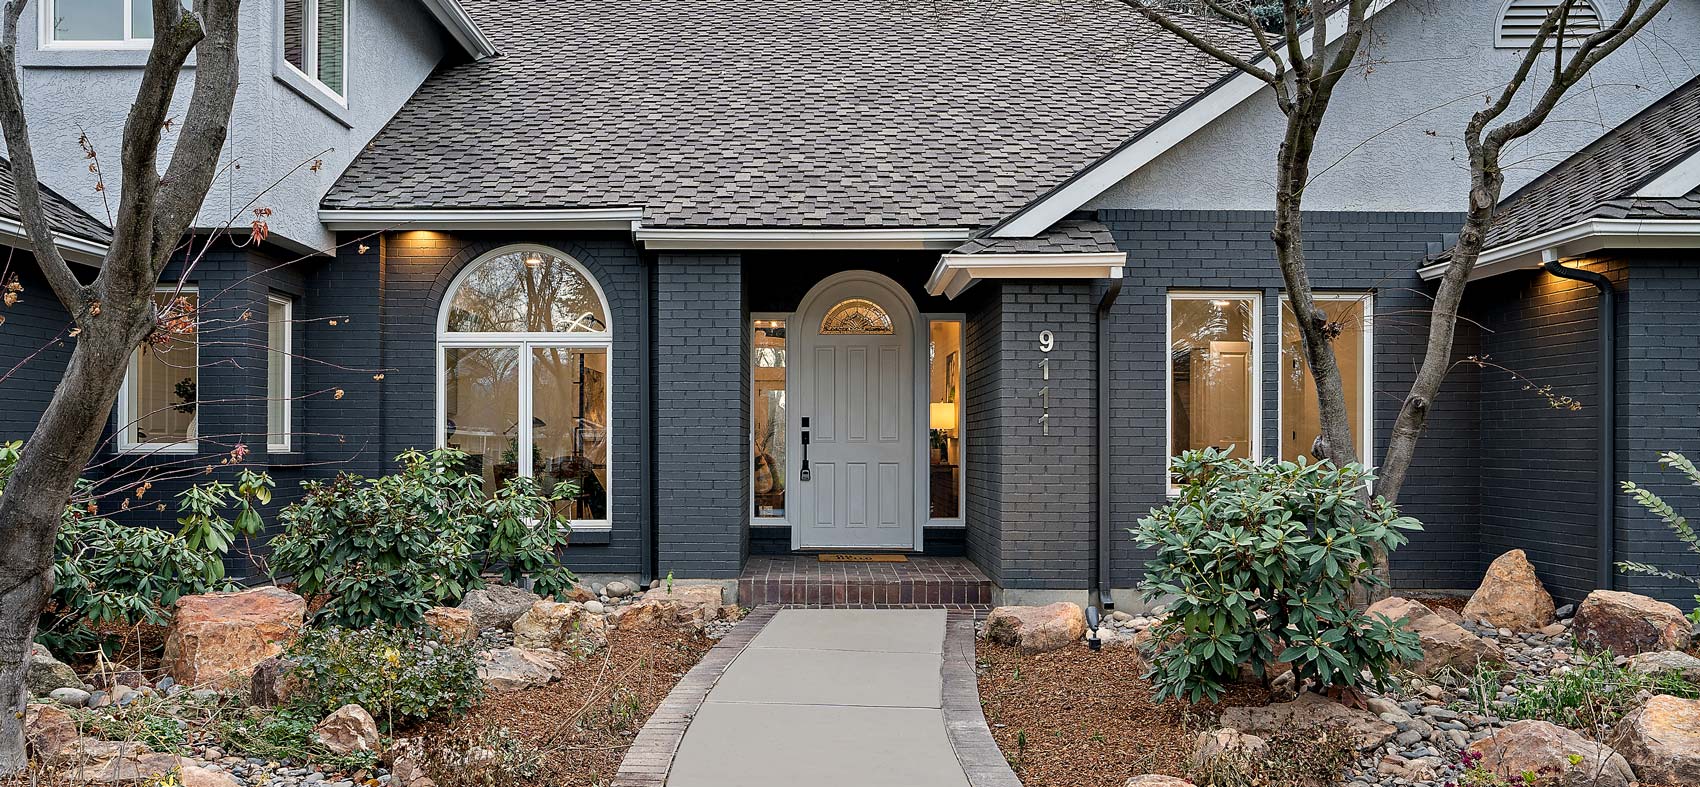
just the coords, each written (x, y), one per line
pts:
(1522, 19)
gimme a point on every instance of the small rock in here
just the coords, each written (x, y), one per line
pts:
(511, 669)
(1664, 661)
(497, 606)
(72, 697)
(1037, 629)
(619, 589)
(594, 607)
(348, 729)
(452, 625)
(1156, 780)
(46, 673)
(1511, 597)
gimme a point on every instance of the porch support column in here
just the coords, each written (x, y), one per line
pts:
(702, 406)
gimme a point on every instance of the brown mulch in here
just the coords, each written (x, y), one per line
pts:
(583, 724)
(1454, 603)
(1087, 718)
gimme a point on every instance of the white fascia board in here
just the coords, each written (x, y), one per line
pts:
(1583, 237)
(1678, 181)
(800, 238)
(73, 248)
(566, 218)
(957, 272)
(453, 16)
(1099, 176)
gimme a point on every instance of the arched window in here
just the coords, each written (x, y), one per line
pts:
(856, 317)
(524, 351)
(1522, 19)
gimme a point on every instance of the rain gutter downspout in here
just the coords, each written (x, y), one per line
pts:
(646, 430)
(1606, 534)
(1108, 299)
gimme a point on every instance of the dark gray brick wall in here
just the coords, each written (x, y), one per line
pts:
(33, 348)
(1231, 250)
(702, 415)
(984, 374)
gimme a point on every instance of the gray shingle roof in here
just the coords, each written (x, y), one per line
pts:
(1069, 236)
(778, 113)
(1599, 180)
(62, 215)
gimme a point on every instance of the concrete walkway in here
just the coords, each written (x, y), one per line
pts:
(827, 698)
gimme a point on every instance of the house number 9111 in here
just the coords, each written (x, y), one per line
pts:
(1047, 342)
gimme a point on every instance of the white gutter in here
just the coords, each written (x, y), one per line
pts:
(957, 272)
(1099, 176)
(1583, 237)
(454, 17)
(803, 238)
(519, 219)
(74, 248)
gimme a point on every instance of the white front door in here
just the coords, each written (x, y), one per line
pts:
(854, 363)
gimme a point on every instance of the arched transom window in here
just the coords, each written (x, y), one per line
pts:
(524, 343)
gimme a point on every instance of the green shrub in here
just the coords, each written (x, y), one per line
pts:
(1590, 695)
(284, 733)
(1257, 562)
(383, 550)
(400, 676)
(488, 757)
(1676, 522)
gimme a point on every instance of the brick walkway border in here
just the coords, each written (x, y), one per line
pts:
(650, 757)
(964, 720)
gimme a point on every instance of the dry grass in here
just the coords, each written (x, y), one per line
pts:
(1075, 718)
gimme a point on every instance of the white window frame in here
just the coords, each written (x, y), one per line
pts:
(310, 47)
(961, 518)
(750, 504)
(1256, 298)
(127, 420)
(279, 441)
(524, 343)
(1366, 436)
(47, 41)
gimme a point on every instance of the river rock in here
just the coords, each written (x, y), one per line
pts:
(1629, 623)
(1037, 629)
(1544, 750)
(1445, 645)
(497, 606)
(1511, 596)
(1661, 740)
(46, 673)
(216, 639)
(1310, 710)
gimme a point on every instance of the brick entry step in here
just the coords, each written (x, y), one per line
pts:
(921, 582)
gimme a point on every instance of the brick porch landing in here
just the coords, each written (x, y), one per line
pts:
(923, 581)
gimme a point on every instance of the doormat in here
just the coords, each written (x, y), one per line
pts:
(854, 558)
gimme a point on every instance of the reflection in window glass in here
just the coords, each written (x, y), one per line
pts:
(314, 38)
(481, 409)
(277, 373)
(569, 425)
(160, 399)
(94, 20)
(767, 445)
(944, 415)
(527, 291)
(1212, 379)
(1300, 415)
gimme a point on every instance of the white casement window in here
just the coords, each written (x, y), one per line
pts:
(97, 24)
(279, 354)
(1353, 353)
(1212, 377)
(525, 360)
(946, 419)
(315, 43)
(768, 436)
(157, 403)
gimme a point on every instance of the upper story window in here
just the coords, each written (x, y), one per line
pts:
(1522, 20)
(102, 24)
(315, 42)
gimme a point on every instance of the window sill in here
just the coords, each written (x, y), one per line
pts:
(94, 56)
(310, 90)
(174, 449)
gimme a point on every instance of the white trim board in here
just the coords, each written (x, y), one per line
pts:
(957, 272)
(1101, 175)
(75, 249)
(458, 22)
(803, 238)
(1583, 237)
(516, 219)
(1678, 181)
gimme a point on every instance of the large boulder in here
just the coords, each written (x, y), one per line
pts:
(1667, 661)
(497, 606)
(1445, 645)
(556, 625)
(49, 732)
(1629, 623)
(1037, 629)
(684, 606)
(347, 730)
(1511, 596)
(512, 669)
(46, 673)
(452, 625)
(216, 639)
(1661, 740)
(1553, 755)
(1310, 710)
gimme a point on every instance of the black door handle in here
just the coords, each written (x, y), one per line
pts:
(803, 474)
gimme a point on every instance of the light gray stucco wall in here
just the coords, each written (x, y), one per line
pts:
(1397, 121)
(393, 46)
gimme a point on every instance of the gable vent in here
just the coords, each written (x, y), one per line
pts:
(1523, 18)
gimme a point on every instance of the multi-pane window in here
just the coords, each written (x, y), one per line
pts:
(944, 419)
(1349, 320)
(767, 416)
(156, 408)
(98, 23)
(278, 353)
(315, 41)
(1213, 372)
